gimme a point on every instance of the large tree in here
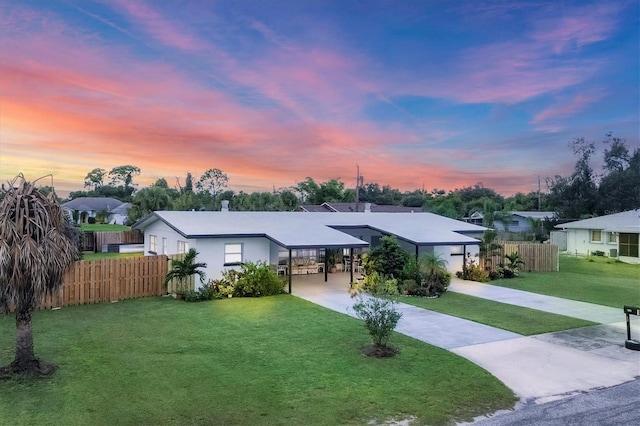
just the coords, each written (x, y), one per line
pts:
(95, 178)
(124, 174)
(37, 246)
(212, 181)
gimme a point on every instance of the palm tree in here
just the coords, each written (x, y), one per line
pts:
(182, 269)
(434, 269)
(37, 246)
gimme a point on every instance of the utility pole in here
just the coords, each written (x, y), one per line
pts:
(538, 192)
(359, 182)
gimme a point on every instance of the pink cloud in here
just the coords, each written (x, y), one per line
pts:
(157, 26)
(565, 109)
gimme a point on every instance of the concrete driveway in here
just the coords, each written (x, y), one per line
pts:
(537, 368)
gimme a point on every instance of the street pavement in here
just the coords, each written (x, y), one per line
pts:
(615, 406)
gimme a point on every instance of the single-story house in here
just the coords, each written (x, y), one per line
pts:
(83, 208)
(331, 207)
(614, 235)
(226, 239)
(520, 221)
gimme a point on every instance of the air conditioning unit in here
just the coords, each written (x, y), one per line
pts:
(613, 252)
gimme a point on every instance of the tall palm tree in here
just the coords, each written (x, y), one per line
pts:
(37, 246)
(182, 269)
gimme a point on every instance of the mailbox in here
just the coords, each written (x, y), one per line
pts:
(630, 343)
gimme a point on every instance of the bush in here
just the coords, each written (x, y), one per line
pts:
(474, 272)
(380, 317)
(91, 220)
(388, 259)
(253, 280)
(208, 291)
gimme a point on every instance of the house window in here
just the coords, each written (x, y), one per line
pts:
(164, 246)
(613, 238)
(232, 254)
(596, 236)
(183, 247)
(457, 250)
(628, 245)
(153, 244)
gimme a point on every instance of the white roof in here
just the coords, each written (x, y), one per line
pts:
(299, 230)
(625, 222)
(535, 214)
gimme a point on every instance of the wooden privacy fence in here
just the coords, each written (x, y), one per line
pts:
(537, 257)
(109, 280)
(93, 240)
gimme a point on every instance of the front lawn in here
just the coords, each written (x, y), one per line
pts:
(87, 255)
(104, 227)
(272, 360)
(598, 280)
(517, 319)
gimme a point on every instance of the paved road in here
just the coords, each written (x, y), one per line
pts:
(615, 406)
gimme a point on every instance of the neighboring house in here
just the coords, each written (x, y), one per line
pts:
(330, 207)
(615, 235)
(477, 218)
(226, 239)
(521, 221)
(84, 208)
(119, 215)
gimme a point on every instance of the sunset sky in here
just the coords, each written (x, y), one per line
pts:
(433, 94)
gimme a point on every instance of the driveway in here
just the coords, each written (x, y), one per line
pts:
(537, 368)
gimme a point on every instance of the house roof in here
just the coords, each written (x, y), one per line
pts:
(92, 204)
(534, 214)
(625, 222)
(299, 230)
(351, 208)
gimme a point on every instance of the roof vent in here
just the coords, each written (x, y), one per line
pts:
(367, 207)
(225, 206)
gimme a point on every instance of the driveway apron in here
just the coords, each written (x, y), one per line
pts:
(537, 368)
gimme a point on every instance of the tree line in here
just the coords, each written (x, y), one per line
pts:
(584, 193)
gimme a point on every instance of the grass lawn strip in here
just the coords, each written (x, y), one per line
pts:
(598, 280)
(513, 318)
(104, 227)
(106, 255)
(273, 360)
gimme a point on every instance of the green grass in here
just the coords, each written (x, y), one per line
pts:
(99, 227)
(95, 256)
(598, 280)
(517, 319)
(273, 360)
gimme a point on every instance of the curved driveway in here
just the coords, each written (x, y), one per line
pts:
(537, 368)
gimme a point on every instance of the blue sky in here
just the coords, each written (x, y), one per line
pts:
(434, 94)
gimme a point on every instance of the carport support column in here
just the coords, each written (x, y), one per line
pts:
(326, 264)
(351, 269)
(290, 271)
(464, 261)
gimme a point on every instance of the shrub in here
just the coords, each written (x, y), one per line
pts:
(388, 259)
(91, 220)
(380, 317)
(428, 274)
(253, 280)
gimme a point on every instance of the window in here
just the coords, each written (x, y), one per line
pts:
(232, 254)
(457, 250)
(613, 238)
(153, 244)
(628, 245)
(164, 246)
(596, 236)
(183, 247)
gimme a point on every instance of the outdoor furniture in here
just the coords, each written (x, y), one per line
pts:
(283, 270)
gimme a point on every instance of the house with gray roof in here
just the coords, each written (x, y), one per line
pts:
(331, 207)
(614, 235)
(521, 221)
(226, 239)
(85, 207)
